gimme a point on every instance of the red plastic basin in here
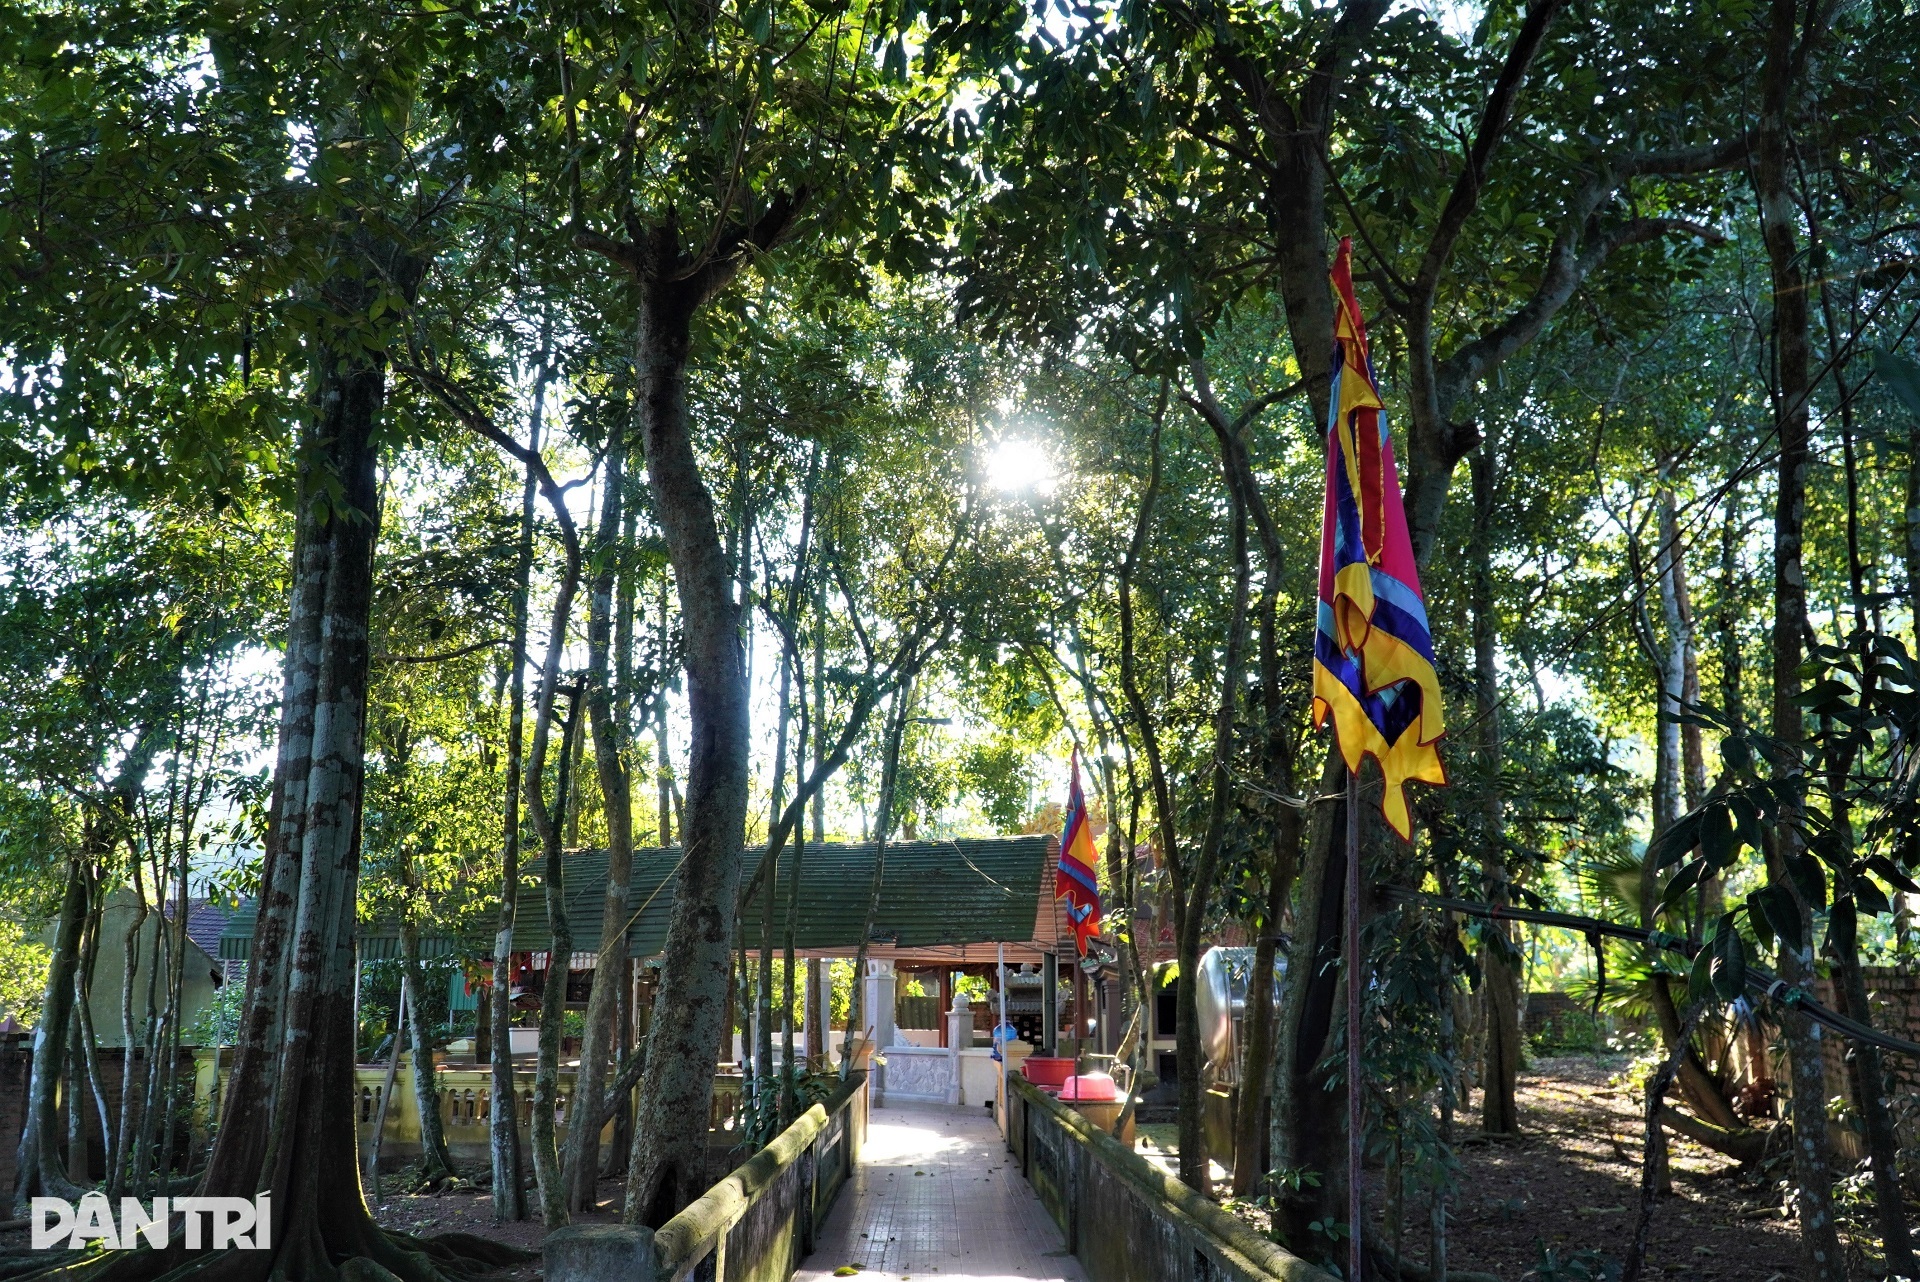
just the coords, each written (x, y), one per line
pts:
(1089, 1088)
(1046, 1071)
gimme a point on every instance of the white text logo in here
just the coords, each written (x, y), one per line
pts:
(219, 1222)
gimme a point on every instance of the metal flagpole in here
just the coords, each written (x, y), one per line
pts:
(1355, 1121)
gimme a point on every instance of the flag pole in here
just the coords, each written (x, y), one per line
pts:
(1356, 1136)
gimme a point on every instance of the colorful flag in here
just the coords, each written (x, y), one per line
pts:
(1077, 876)
(1373, 652)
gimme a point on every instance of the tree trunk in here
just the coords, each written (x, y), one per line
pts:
(503, 1132)
(1813, 1171)
(436, 1164)
(667, 1167)
(89, 1042)
(891, 736)
(1255, 1081)
(38, 1164)
(1306, 1134)
(1500, 985)
(598, 1046)
(121, 1155)
(288, 1122)
(387, 1084)
(553, 999)
(1871, 1092)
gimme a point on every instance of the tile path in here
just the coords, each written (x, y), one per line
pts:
(938, 1196)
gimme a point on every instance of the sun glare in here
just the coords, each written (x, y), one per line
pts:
(1017, 465)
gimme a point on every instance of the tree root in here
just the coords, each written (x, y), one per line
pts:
(382, 1256)
(1385, 1264)
(1745, 1145)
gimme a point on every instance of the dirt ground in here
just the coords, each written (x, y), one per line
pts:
(1571, 1182)
(472, 1212)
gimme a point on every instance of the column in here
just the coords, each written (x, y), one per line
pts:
(877, 1002)
(1049, 1003)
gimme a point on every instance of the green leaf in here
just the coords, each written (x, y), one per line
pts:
(1871, 898)
(1671, 846)
(1892, 874)
(1776, 905)
(1746, 818)
(1762, 927)
(1718, 844)
(1700, 976)
(1809, 879)
(758, 20)
(1683, 881)
(1902, 377)
(1729, 961)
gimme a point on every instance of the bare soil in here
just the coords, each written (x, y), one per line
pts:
(1571, 1182)
(471, 1211)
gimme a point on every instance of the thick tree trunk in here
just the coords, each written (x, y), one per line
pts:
(667, 1166)
(288, 1123)
(1779, 219)
(598, 1046)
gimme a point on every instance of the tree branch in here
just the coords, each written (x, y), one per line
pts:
(1494, 120)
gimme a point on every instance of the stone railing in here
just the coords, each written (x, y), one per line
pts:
(465, 1094)
(756, 1225)
(1126, 1219)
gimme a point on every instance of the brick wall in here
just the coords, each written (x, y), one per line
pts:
(16, 1065)
(1893, 992)
(16, 1071)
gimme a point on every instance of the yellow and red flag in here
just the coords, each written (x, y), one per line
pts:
(1077, 876)
(1373, 668)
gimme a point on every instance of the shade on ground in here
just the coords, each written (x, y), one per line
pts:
(937, 1195)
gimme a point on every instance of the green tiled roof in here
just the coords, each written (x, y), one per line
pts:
(968, 891)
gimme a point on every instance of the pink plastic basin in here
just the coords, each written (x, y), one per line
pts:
(1047, 1072)
(1089, 1088)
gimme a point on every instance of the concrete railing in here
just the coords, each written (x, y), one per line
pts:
(1126, 1219)
(756, 1225)
(465, 1095)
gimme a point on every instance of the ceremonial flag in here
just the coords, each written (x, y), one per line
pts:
(1373, 651)
(1077, 876)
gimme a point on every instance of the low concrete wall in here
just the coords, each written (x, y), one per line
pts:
(1127, 1220)
(756, 1225)
(465, 1093)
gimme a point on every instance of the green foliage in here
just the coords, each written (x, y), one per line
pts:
(23, 972)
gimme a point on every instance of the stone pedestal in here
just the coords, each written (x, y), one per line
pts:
(959, 1038)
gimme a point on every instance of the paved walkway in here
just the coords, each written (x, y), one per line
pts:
(937, 1195)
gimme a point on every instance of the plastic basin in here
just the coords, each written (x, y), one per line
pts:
(1046, 1071)
(1092, 1088)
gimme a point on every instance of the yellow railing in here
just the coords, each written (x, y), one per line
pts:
(465, 1094)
